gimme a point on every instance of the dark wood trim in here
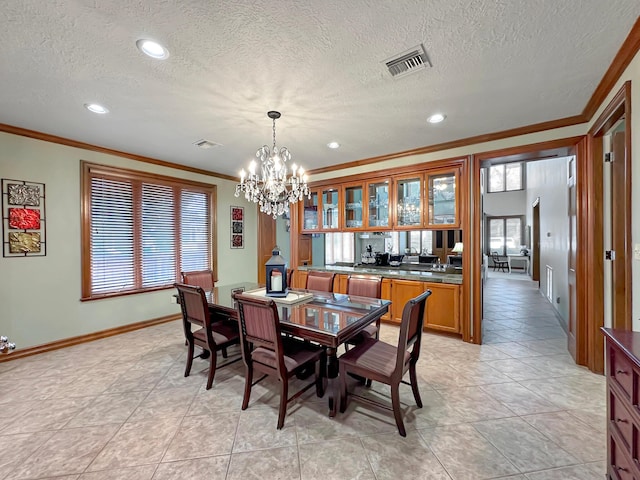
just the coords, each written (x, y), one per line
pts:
(613, 111)
(621, 61)
(591, 297)
(476, 258)
(89, 337)
(532, 151)
(514, 132)
(463, 215)
(23, 132)
(584, 225)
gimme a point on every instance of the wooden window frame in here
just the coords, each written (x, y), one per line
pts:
(90, 170)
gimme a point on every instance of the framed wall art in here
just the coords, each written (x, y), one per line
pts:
(237, 227)
(23, 219)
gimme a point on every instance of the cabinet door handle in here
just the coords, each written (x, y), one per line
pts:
(622, 420)
(621, 372)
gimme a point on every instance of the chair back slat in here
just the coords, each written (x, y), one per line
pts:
(320, 281)
(195, 309)
(364, 285)
(259, 326)
(411, 328)
(200, 278)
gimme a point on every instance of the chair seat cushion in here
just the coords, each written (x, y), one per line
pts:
(374, 356)
(370, 331)
(222, 333)
(296, 353)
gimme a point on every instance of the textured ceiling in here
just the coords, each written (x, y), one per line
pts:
(497, 65)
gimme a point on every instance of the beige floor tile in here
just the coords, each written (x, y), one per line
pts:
(210, 468)
(579, 439)
(137, 443)
(523, 445)
(576, 472)
(203, 436)
(66, 452)
(392, 457)
(334, 459)
(272, 464)
(451, 445)
(144, 472)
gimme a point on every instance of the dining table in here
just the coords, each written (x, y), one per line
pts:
(325, 318)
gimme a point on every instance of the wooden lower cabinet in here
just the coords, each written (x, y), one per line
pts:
(385, 294)
(300, 279)
(443, 306)
(340, 283)
(401, 292)
(623, 395)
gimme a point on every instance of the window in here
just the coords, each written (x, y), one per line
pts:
(139, 231)
(505, 235)
(338, 247)
(505, 178)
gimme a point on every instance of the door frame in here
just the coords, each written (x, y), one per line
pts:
(593, 200)
(537, 151)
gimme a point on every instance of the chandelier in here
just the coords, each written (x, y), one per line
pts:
(273, 189)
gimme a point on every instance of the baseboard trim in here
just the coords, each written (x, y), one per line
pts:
(89, 337)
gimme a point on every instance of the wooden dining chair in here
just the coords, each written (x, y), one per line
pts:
(211, 337)
(320, 281)
(386, 363)
(199, 278)
(365, 286)
(266, 350)
(499, 262)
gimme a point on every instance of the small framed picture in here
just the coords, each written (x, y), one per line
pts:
(237, 227)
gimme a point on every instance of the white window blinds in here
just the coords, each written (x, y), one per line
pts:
(142, 233)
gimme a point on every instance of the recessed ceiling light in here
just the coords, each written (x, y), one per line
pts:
(96, 108)
(333, 145)
(152, 49)
(436, 118)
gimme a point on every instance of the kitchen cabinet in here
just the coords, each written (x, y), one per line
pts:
(385, 294)
(310, 213)
(442, 199)
(354, 208)
(401, 292)
(300, 279)
(340, 283)
(408, 200)
(443, 307)
(329, 203)
(378, 209)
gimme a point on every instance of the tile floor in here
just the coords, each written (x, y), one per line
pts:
(515, 408)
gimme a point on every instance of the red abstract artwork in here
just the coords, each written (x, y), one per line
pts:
(237, 213)
(24, 218)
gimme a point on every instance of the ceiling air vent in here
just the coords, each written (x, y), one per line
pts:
(408, 62)
(206, 144)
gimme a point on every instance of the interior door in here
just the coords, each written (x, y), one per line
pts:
(620, 265)
(572, 323)
(266, 242)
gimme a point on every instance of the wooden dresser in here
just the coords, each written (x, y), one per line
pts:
(623, 409)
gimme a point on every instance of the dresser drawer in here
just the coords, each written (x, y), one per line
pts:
(620, 467)
(621, 370)
(620, 420)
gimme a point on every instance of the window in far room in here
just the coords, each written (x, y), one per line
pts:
(507, 177)
(139, 231)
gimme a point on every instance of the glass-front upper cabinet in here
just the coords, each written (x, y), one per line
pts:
(408, 196)
(442, 208)
(378, 205)
(310, 211)
(330, 201)
(353, 206)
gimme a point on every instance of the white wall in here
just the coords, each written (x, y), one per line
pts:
(547, 180)
(40, 296)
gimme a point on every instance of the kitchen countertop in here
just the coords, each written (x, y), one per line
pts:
(401, 272)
